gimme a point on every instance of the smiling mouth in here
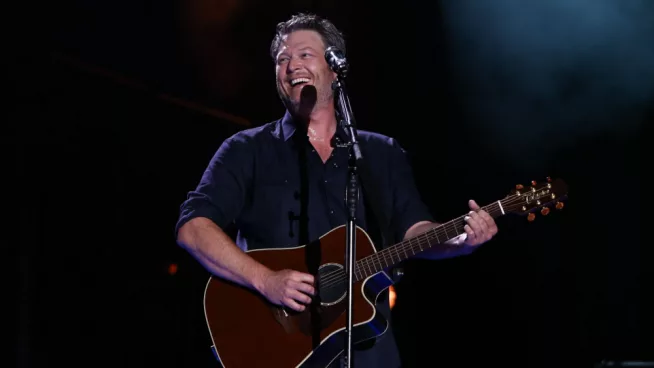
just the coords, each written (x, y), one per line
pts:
(299, 81)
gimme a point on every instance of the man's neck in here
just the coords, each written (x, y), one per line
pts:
(321, 123)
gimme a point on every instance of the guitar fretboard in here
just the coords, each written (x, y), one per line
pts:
(397, 253)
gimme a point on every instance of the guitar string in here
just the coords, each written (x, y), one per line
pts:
(371, 261)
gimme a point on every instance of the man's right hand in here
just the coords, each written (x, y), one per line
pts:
(289, 288)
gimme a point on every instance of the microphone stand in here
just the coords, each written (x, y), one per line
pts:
(351, 201)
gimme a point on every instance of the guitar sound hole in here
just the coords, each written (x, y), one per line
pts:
(332, 283)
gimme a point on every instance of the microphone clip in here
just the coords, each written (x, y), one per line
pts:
(337, 61)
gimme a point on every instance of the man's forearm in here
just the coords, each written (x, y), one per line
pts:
(438, 251)
(216, 251)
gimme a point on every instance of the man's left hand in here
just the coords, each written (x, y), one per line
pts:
(480, 227)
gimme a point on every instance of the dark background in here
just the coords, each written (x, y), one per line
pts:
(115, 109)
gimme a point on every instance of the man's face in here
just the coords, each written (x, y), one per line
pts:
(301, 62)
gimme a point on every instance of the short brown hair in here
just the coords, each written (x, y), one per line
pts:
(330, 35)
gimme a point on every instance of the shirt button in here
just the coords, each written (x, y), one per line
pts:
(335, 165)
(331, 212)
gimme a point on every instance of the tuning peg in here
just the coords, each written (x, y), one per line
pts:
(549, 180)
(520, 187)
(533, 183)
(531, 217)
(545, 211)
(559, 205)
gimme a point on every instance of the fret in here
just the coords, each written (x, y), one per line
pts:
(368, 270)
(448, 232)
(447, 236)
(455, 225)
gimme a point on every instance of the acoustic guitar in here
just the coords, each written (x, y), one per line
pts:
(249, 331)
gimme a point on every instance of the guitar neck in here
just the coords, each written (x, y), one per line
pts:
(438, 235)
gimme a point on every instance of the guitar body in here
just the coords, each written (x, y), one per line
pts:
(249, 331)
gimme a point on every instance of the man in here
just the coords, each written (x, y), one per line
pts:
(282, 185)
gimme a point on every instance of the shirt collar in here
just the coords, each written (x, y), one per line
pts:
(287, 126)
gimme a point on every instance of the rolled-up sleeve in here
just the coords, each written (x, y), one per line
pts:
(221, 193)
(408, 207)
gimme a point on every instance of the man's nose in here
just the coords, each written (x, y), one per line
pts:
(293, 65)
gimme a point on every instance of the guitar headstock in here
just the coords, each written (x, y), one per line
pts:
(538, 197)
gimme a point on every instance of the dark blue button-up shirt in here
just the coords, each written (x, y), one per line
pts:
(271, 184)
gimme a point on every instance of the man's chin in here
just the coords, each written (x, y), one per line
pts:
(299, 107)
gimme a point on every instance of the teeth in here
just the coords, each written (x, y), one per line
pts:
(299, 80)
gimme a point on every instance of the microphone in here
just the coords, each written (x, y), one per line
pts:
(336, 60)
